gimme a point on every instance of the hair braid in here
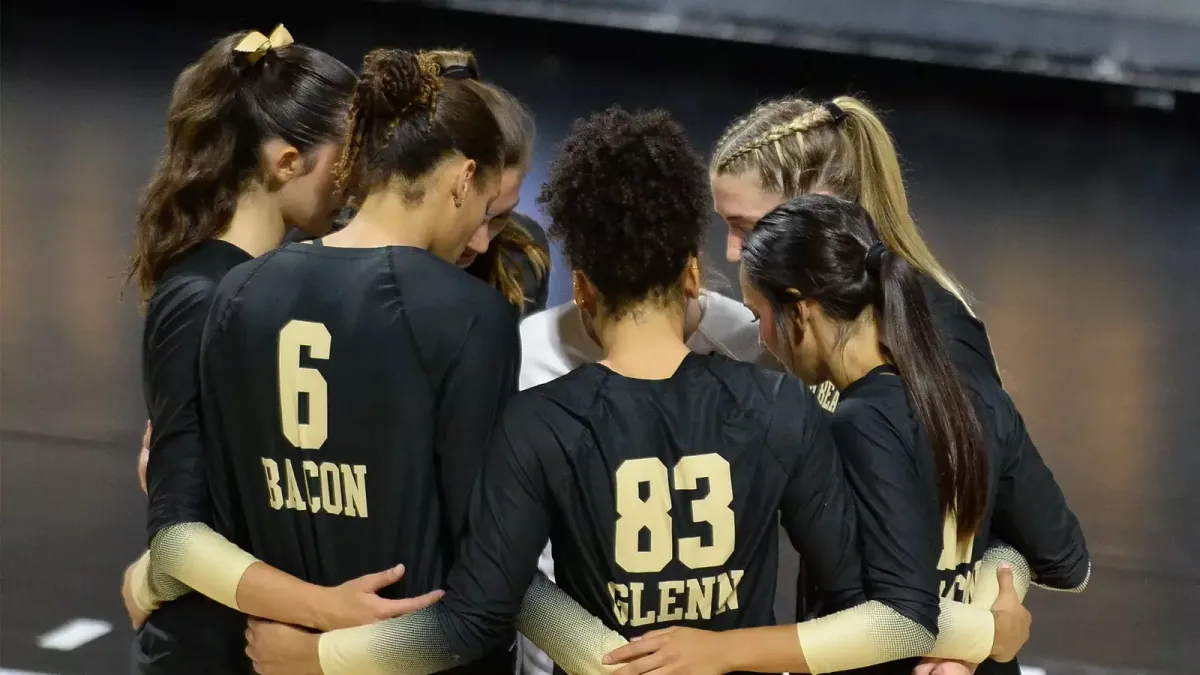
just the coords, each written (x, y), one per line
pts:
(807, 121)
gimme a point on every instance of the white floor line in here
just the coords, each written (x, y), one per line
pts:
(1032, 670)
(74, 634)
(10, 671)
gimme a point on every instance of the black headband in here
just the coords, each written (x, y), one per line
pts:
(460, 72)
(835, 111)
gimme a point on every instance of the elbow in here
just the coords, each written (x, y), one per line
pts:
(1074, 579)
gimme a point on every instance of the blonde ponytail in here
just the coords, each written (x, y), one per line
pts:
(794, 146)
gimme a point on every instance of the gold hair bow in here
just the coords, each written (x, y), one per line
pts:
(256, 45)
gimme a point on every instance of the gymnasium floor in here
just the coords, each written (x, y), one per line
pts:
(1068, 216)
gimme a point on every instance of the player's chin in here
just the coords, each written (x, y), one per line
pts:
(466, 259)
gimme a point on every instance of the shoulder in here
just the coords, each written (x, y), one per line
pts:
(868, 426)
(450, 291)
(554, 407)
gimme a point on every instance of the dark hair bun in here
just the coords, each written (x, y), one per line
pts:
(395, 82)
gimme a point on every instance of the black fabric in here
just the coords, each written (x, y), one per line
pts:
(176, 478)
(890, 466)
(415, 360)
(568, 451)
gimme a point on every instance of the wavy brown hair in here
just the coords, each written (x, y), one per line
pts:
(499, 266)
(223, 108)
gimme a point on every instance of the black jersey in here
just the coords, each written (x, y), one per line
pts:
(661, 500)
(349, 396)
(890, 465)
(963, 334)
(175, 476)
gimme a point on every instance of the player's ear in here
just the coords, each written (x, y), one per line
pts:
(799, 315)
(584, 293)
(691, 278)
(462, 182)
(282, 161)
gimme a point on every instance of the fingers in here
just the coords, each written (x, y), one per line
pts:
(643, 646)
(646, 664)
(373, 582)
(395, 608)
(1007, 595)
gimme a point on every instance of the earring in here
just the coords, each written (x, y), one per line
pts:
(458, 201)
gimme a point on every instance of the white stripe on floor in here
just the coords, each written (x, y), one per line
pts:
(74, 634)
(1032, 670)
(10, 671)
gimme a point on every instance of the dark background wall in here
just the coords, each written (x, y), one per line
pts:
(1070, 215)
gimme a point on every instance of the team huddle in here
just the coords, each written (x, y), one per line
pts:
(373, 450)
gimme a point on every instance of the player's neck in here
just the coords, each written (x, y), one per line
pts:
(386, 219)
(858, 356)
(257, 225)
(646, 343)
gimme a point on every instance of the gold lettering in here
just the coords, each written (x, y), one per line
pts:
(310, 470)
(620, 598)
(666, 598)
(700, 598)
(294, 500)
(727, 583)
(639, 619)
(331, 489)
(354, 480)
(274, 493)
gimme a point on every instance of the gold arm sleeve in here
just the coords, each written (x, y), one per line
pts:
(408, 645)
(987, 588)
(574, 639)
(966, 631)
(138, 581)
(861, 636)
(192, 556)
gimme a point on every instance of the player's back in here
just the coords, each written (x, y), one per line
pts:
(332, 372)
(666, 493)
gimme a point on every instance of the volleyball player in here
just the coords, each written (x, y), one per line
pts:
(253, 131)
(659, 474)
(792, 146)
(510, 252)
(933, 470)
(351, 383)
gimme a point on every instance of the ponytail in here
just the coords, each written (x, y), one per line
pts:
(828, 250)
(794, 147)
(223, 108)
(908, 335)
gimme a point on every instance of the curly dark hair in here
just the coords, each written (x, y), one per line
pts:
(628, 198)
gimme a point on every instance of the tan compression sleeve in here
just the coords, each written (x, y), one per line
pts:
(191, 555)
(864, 635)
(574, 639)
(412, 644)
(966, 631)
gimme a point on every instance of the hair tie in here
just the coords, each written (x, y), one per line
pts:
(873, 260)
(835, 111)
(256, 45)
(459, 72)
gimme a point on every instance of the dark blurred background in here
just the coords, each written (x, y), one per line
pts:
(1052, 150)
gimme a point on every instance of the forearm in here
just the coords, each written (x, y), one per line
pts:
(569, 634)
(966, 632)
(865, 635)
(192, 556)
(414, 644)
